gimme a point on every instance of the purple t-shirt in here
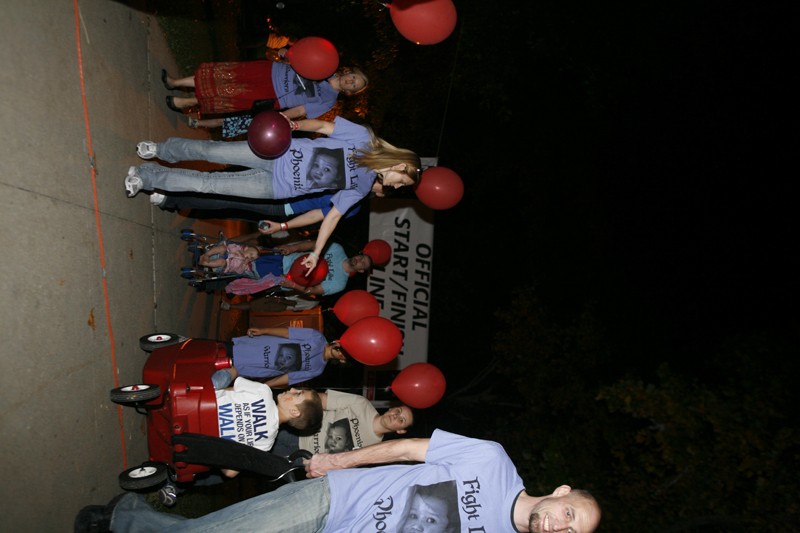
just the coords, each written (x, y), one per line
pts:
(293, 90)
(326, 163)
(301, 356)
(474, 480)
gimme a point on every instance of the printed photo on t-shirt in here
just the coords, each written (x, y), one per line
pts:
(338, 437)
(326, 170)
(288, 358)
(431, 509)
(304, 86)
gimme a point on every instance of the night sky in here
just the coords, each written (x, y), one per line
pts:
(651, 171)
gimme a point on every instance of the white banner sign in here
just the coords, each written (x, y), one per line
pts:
(403, 287)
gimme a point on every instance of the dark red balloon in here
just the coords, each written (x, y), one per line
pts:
(314, 58)
(419, 385)
(354, 305)
(269, 135)
(379, 251)
(373, 340)
(298, 272)
(439, 188)
(424, 21)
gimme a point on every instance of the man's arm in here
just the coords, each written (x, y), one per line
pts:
(392, 451)
(294, 247)
(316, 290)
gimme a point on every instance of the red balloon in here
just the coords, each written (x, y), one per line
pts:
(269, 135)
(424, 21)
(373, 340)
(379, 251)
(419, 385)
(439, 188)
(298, 272)
(355, 305)
(314, 58)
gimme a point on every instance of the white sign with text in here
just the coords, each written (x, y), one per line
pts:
(403, 287)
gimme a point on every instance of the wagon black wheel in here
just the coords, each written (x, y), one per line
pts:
(144, 476)
(135, 393)
(150, 342)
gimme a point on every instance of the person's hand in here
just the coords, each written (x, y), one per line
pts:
(320, 464)
(289, 284)
(310, 262)
(253, 332)
(268, 227)
(292, 124)
(287, 119)
(283, 249)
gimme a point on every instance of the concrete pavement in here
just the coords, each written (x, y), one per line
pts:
(87, 270)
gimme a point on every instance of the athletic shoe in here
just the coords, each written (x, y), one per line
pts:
(168, 494)
(157, 199)
(133, 183)
(96, 518)
(146, 149)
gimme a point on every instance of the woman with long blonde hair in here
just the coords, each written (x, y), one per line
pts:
(366, 164)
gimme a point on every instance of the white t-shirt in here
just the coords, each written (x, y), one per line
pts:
(346, 425)
(247, 414)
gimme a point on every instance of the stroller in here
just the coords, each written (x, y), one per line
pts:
(203, 277)
(197, 274)
(179, 401)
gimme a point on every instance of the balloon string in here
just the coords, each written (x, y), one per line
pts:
(449, 90)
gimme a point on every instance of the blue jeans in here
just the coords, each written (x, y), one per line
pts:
(299, 507)
(253, 183)
(221, 379)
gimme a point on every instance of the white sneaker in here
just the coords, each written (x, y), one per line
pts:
(146, 149)
(157, 198)
(133, 183)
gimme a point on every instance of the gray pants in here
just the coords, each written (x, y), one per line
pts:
(256, 182)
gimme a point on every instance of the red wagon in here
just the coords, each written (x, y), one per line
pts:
(179, 401)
